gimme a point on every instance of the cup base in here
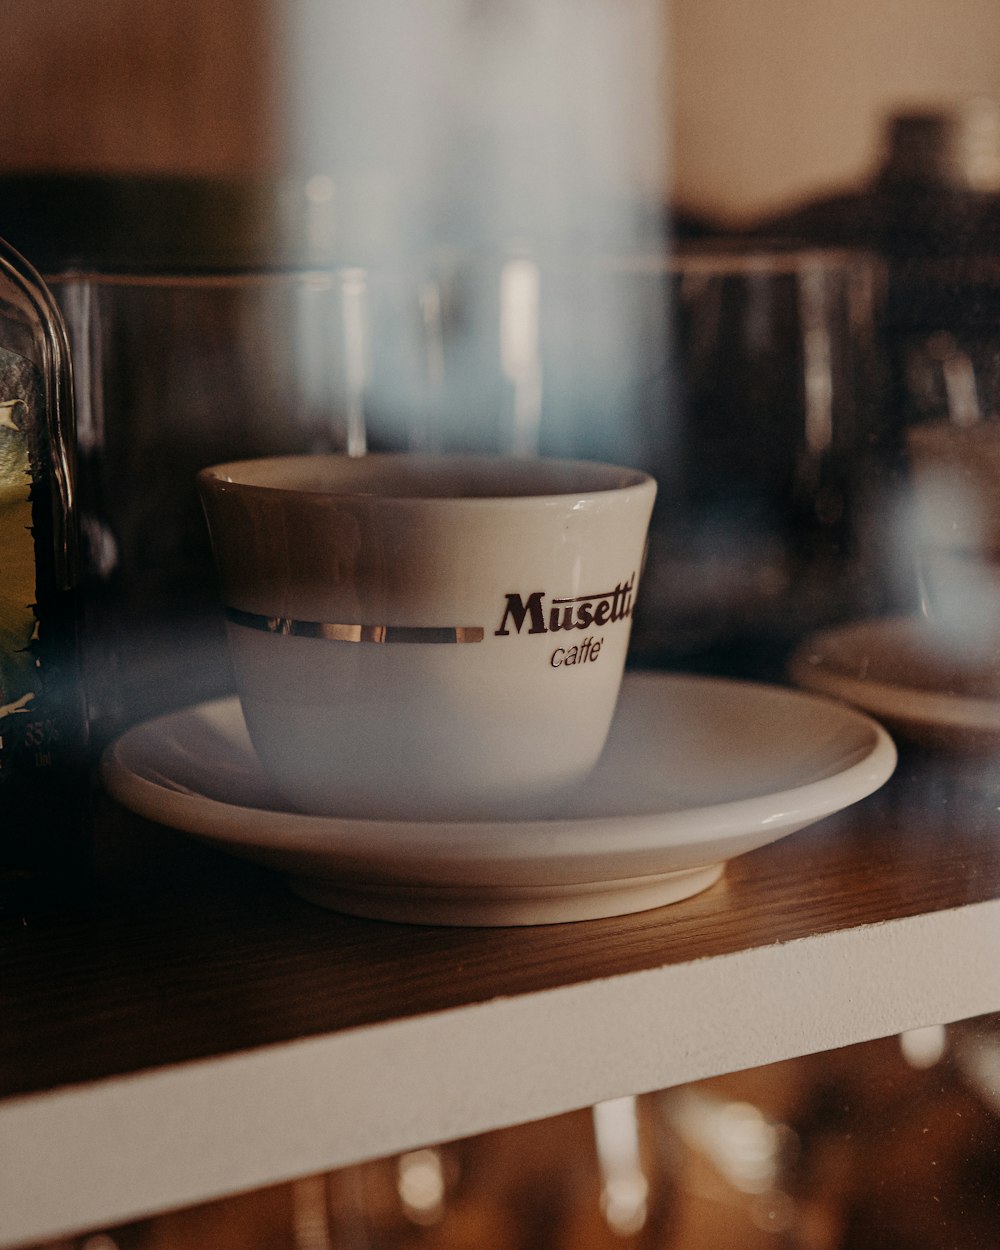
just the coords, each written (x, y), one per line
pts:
(504, 906)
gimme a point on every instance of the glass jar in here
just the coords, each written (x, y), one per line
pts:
(43, 801)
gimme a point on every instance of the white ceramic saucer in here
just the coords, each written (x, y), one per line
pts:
(695, 772)
(932, 687)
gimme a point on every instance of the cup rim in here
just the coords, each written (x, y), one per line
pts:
(535, 479)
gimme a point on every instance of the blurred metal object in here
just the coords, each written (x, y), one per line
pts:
(772, 454)
(931, 208)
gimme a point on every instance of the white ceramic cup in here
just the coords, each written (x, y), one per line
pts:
(955, 487)
(427, 637)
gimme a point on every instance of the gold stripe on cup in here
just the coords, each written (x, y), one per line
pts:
(334, 632)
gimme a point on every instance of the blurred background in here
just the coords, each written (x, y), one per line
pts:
(760, 105)
(891, 1144)
(723, 244)
(541, 226)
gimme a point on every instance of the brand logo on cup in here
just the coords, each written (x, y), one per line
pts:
(579, 612)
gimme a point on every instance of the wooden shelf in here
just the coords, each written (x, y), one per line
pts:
(197, 1031)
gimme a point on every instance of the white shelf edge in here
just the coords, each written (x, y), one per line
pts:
(86, 1157)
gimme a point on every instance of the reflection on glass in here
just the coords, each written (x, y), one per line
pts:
(923, 1048)
(624, 1187)
(421, 1185)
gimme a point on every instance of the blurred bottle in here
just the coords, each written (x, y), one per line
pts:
(43, 801)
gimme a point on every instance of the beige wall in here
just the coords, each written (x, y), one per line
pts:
(179, 86)
(774, 99)
(769, 99)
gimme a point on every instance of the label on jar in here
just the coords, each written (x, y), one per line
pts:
(20, 667)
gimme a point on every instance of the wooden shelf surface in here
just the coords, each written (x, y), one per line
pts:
(196, 1030)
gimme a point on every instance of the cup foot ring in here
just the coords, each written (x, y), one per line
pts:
(502, 906)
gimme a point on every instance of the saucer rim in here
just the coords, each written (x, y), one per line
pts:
(896, 701)
(393, 845)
